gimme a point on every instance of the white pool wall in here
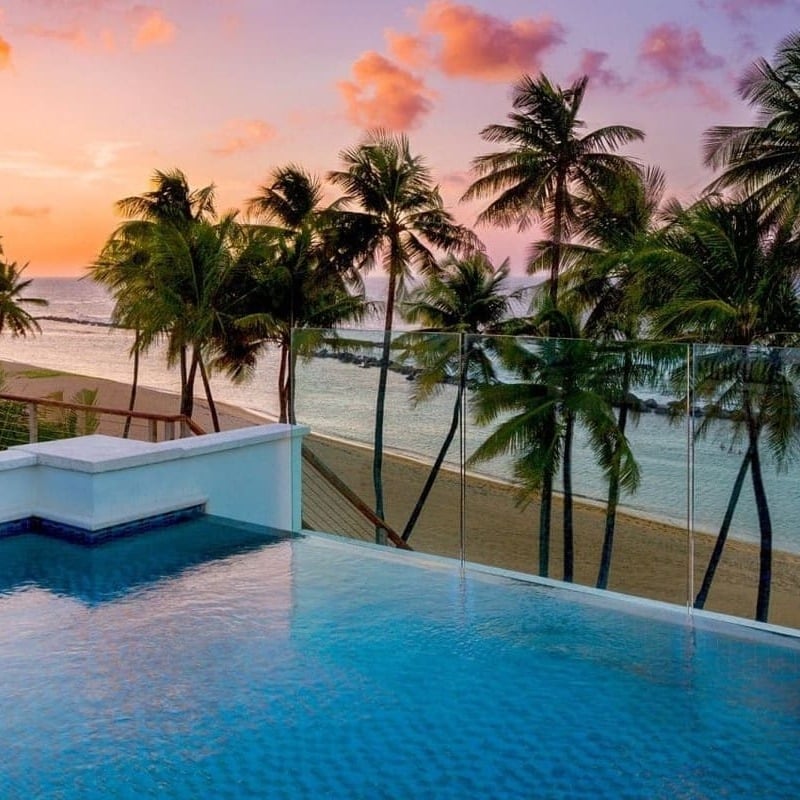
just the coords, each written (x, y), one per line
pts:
(93, 482)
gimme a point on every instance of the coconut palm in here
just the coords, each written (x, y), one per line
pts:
(618, 224)
(557, 384)
(125, 264)
(733, 278)
(306, 281)
(465, 300)
(398, 219)
(13, 314)
(546, 160)
(763, 159)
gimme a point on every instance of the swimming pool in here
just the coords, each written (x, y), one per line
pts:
(211, 660)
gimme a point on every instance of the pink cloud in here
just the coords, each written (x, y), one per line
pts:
(31, 212)
(244, 134)
(738, 9)
(153, 28)
(593, 64)
(382, 94)
(5, 54)
(676, 52)
(708, 96)
(474, 44)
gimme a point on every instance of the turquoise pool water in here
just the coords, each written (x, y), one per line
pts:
(214, 661)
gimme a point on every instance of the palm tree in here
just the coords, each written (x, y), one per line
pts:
(763, 159)
(465, 300)
(733, 278)
(558, 383)
(399, 217)
(305, 280)
(147, 265)
(618, 225)
(13, 314)
(547, 159)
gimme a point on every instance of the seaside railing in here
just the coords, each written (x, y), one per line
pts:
(672, 467)
(26, 419)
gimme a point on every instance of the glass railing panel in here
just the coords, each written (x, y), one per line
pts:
(746, 487)
(336, 391)
(555, 412)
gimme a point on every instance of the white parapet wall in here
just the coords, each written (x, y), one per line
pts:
(94, 482)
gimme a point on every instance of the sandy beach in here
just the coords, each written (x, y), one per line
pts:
(650, 558)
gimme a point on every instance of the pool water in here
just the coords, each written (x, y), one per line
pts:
(211, 660)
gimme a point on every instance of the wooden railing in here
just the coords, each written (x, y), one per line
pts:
(172, 423)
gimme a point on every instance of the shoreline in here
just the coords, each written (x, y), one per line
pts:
(651, 556)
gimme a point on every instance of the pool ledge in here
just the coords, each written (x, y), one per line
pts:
(94, 482)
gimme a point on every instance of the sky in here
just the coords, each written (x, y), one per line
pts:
(97, 94)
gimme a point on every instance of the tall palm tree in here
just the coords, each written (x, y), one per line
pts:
(465, 300)
(307, 279)
(733, 278)
(138, 264)
(618, 223)
(547, 158)
(13, 314)
(763, 159)
(399, 218)
(556, 384)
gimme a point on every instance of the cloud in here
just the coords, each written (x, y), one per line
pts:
(593, 64)
(104, 154)
(244, 134)
(35, 166)
(465, 42)
(152, 28)
(382, 94)
(30, 212)
(739, 9)
(70, 35)
(708, 96)
(5, 54)
(676, 53)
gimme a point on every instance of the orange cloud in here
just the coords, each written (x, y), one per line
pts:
(474, 44)
(244, 134)
(676, 52)
(408, 49)
(384, 95)
(74, 36)
(31, 212)
(153, 29)
(5, 54)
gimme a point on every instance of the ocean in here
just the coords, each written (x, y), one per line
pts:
(337, 399)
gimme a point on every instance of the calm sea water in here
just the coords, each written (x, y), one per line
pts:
(338, 399)
(205, 661)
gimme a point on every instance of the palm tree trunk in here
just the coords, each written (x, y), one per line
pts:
(282, 384)
(448, 439)
(569, 539)
(134, 385)
(558, 225)
(613, 480)
(187, 390)
(377, 459)
(722, 536)
(765, 529)
(545, 512)
(212, 406)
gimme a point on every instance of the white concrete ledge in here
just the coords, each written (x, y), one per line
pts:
(251, 475)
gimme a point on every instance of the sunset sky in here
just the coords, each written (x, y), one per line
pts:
(96, 94)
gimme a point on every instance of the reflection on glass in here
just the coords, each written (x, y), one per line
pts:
(746, 494)
(616, 466)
